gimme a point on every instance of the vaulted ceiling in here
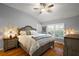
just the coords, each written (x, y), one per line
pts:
(59, 11)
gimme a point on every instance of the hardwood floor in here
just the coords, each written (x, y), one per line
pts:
(56, 51)
(13, 52)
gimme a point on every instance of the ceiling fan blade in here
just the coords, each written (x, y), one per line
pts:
(40, 12)
(50, 6)
(36, 8)
(43, 4)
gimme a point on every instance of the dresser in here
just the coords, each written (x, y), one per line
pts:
(10, 43)
(71, 45)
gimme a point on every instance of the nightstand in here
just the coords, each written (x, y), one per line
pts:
(10, 43)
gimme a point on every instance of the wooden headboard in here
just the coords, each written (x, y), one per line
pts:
(27, 29)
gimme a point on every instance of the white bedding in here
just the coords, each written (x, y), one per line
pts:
(30, 43)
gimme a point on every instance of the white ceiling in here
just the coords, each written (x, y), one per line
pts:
(59, 11)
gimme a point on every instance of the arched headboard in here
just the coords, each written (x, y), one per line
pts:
(27, 29)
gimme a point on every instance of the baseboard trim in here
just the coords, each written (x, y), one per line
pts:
(59, 42)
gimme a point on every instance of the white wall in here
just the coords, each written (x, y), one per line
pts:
(72, 22)
(10, 16)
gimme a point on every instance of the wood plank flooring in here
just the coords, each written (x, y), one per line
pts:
(56, 51)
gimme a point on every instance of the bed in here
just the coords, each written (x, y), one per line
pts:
(35, 45)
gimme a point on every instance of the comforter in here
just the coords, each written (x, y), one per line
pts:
(33, 42)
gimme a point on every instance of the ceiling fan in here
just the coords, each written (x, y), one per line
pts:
(44, 7)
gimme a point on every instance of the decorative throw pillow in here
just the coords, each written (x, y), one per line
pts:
(22, 32)
(33, 32)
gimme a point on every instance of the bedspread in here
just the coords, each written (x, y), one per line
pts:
(31, 44)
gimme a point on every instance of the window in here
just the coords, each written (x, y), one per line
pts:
(56, 30)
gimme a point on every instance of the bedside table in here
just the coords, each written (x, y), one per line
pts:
(10, 43)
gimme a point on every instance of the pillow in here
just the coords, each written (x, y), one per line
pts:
(28, 32)
(33, 32)
(22, 32)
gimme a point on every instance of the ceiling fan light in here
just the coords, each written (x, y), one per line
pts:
(44, 7)
(43, 10)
